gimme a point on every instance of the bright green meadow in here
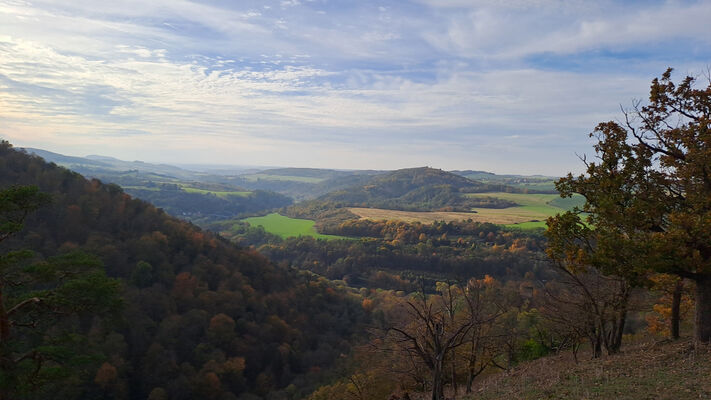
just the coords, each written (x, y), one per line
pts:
(288, 227)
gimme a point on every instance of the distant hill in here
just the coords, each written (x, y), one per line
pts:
(303, 183)
(412, 189)
(417, 189)
(205, 196)
(183, 193)
(63, 160)
(307, 172)
(94, 165)
(527, 183)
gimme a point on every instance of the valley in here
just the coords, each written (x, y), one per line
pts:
(412, 195)
(355, 200)
(383, 249)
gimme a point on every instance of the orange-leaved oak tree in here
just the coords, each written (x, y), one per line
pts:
(648, 193)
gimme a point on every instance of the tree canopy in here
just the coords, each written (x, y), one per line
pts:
(648, 193)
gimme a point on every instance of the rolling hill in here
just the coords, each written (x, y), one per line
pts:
(180, 192)
(302, 183)
(413, 189)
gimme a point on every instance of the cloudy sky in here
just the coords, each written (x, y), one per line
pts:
(510, 86)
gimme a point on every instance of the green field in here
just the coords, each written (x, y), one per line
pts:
(220, 194)
(544, 185)
(152, 189)
(267, 177)
(528, 225)
(535, 207)
(287, 227)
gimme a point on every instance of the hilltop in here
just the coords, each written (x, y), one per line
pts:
(415, 189)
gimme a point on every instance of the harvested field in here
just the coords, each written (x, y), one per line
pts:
(510, 215)
(531, 213)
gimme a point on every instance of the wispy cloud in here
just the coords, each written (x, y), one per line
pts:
(456, 84)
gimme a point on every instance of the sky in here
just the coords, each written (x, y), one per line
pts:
(508, 86)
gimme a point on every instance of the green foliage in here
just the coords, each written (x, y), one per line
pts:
(16, 202)
(41, 303)
(532, 349)
(143, 275)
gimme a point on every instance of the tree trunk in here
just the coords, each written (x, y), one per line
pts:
(596, 346)
(615, 342)
(676, 309)
(619, 328)
(703, 308)
(4, 321)
(437, 378)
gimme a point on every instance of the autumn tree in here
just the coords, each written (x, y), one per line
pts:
(648, 194)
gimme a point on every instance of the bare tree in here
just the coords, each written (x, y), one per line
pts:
(430, 332)
(484, 308)
(587, 304)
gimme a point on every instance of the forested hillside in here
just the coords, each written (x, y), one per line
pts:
(416, 189)
(394, 254)
(201, 318)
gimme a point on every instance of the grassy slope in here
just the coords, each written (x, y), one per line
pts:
(534, 206)
(662, 370)
(286, 227)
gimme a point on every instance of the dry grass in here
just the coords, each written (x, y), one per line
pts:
(662, 370)
(512, 215)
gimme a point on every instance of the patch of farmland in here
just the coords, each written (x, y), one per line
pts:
(531, 213)
(220, 194)
(267, 177)
(496, 216)
(287, 227)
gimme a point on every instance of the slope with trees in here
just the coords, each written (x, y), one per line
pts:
(416, 189)
(44, 302)
(201, 318)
